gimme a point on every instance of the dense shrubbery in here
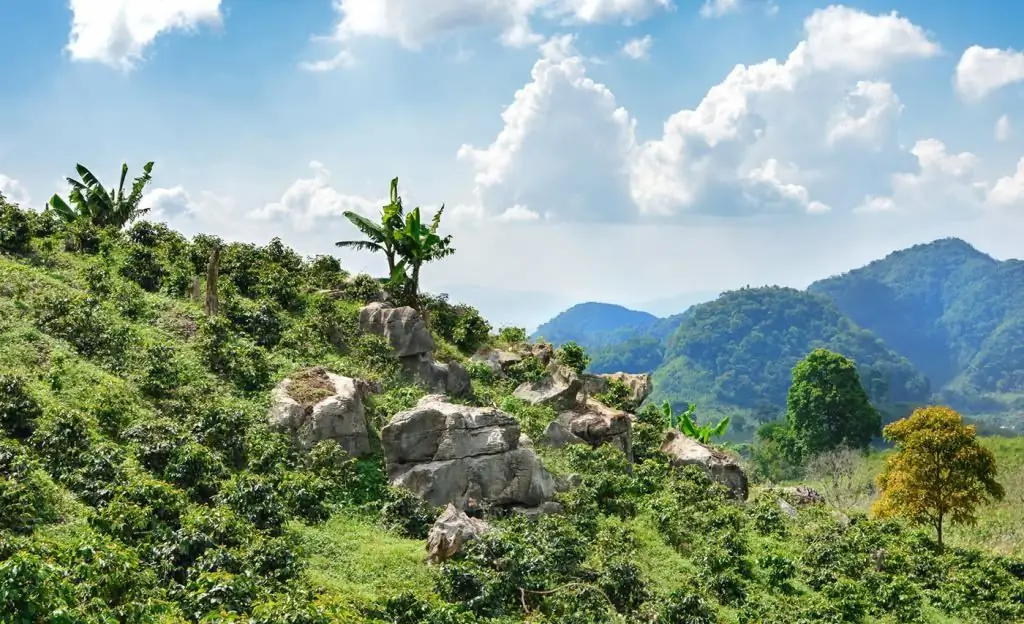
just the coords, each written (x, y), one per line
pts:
(140, 483)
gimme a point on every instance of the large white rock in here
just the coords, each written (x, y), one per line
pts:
(337, 413)
(719, 467)
(449, 453)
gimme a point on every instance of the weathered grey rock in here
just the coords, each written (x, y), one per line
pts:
(495, 359)
(441, 377)
(801, 495)
(403, 327)
(719, 467)
(560, 389)
(452, 529)
(593, 423)
(543, 351)
(319, 405)
(448, 453)
(640, 386)
(786, 508)
(544, 509)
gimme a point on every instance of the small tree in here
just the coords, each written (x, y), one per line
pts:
(843, 479)
(827, 405)
(574, 356)
(686, 424)
(418, 244)
(939, 471)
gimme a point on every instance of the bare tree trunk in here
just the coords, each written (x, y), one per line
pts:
(212, 302)
(196, 293)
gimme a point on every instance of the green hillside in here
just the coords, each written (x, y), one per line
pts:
(140, 481)
(594, 324)
(956, 313)
(738, 351)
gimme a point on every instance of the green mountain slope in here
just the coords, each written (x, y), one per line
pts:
(594, 324)
(956, 313)
(140, 482)
(738, 351)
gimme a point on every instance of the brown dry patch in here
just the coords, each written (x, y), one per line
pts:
(310, 386)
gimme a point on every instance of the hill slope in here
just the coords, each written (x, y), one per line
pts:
(594, 324)
(738, 351)
(956, 313)
(140, 482)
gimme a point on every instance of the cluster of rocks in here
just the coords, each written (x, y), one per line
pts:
(405, 331)
(461, 457)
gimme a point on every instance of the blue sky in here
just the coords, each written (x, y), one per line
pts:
(632, 151)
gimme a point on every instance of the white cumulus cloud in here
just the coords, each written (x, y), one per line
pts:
(718, 8)
(866, 114)
(13, 190)
(117, 32)
(982, 71)
(308, 199)
(1003, 129)
(638, 48)
(414, 23)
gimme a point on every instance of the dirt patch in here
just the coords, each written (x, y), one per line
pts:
(310, 386)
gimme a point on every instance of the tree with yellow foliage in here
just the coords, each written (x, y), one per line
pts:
(939, 471)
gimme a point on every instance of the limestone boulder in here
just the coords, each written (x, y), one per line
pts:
(640, 386)
(559, 388)
(403, 327)
(449, 453)
(315, 405)
(592, 423)
(497, 360)
(801, 495)
(449, 378)
(719, 467)
(451, 531)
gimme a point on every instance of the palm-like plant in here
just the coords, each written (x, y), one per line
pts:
(417, 245)
(380, 237)
(685, 423)
(91, 201)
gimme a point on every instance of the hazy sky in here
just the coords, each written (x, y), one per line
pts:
(615, 150)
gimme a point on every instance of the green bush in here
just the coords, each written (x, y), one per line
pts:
(573, 356)
(19, 408)
(15, 228)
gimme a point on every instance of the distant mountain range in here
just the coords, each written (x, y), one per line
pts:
(938, 322)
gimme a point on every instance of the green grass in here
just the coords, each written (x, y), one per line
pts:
(361, 562)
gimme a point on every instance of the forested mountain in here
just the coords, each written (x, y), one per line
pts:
(955, 312)
(738, 351)
(943, 312)
(593, 324)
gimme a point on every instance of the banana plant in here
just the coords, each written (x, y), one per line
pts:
(418, 244)
(685, 423)
(89, 200)
(380, 237)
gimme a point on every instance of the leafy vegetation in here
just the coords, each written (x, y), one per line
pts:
(939, 471)
(139, 481)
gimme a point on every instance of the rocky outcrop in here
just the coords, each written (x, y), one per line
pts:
(440, 377)
(559, 389)
(719, 467)
(315, 405)
(403, 327)
(800, 495)
(448, 453)
(640, 386)
(497, 360)
(592, 423)
(411, 341)
(452, 529)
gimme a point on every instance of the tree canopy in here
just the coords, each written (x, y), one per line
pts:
(827, 406)
(940, 471)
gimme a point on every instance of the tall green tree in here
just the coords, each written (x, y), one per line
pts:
(89, 200)
(827, 406)
(939, 471)
(380, 237)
